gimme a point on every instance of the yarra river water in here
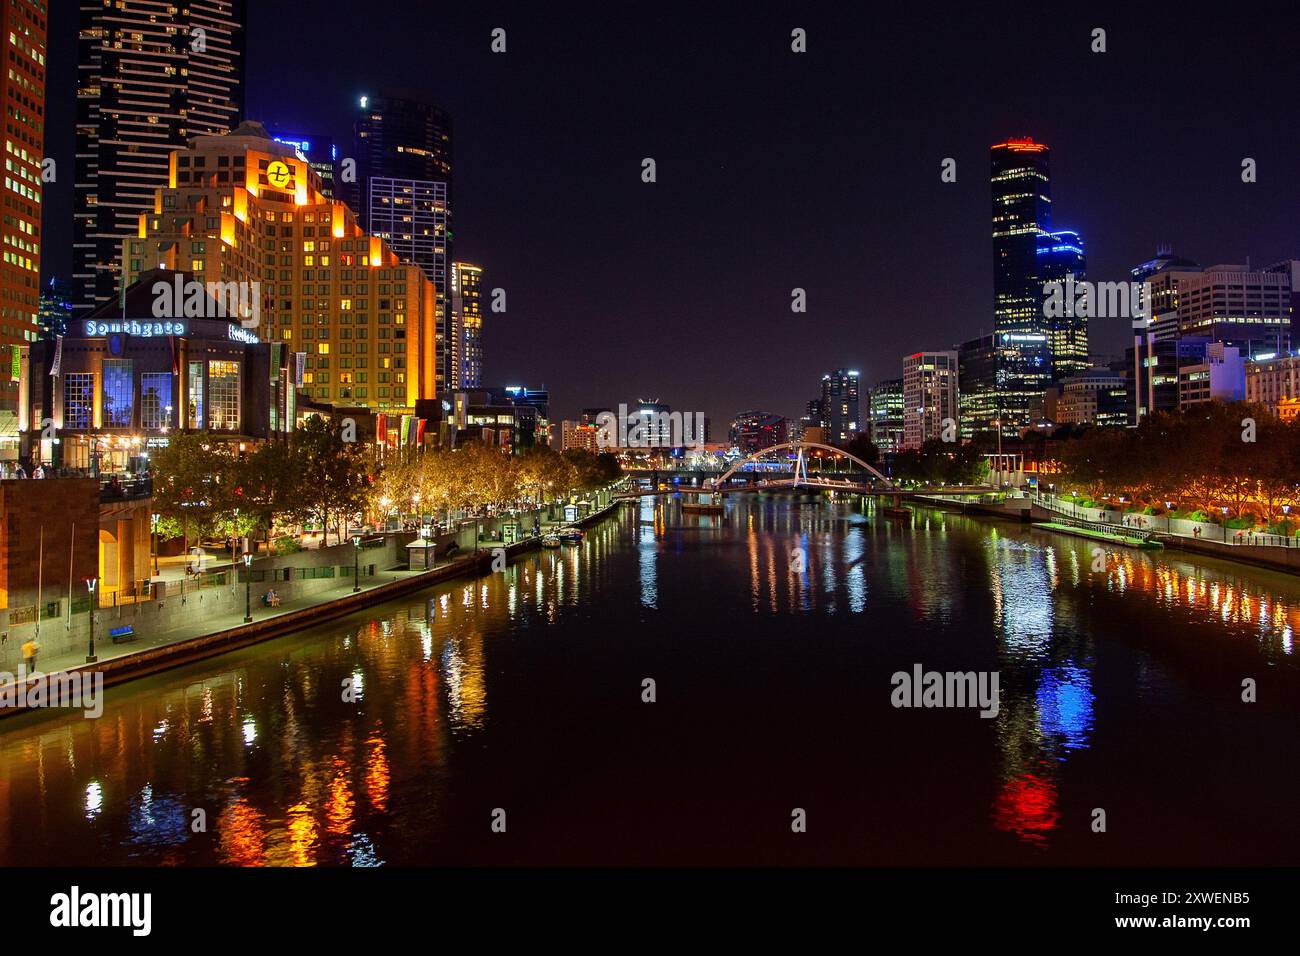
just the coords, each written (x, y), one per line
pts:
(1120, 690)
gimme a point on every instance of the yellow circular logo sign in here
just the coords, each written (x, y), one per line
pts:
(279, 175)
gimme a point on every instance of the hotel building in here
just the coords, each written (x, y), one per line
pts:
(241, 208)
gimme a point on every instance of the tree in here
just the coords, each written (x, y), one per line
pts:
(332, 475)
(863, 447)
(191, 486)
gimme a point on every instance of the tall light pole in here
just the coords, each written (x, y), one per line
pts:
(248, 587)
(90, 588)
(356, 563)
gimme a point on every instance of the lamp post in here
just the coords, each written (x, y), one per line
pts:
(90, 588)
(356, 563)
(248, 587)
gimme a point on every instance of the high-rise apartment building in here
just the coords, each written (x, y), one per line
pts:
(151, 74)
(403, 194)
(840, 406)
(22, 28)
(930, 390)
(242, 208)
(467, 325)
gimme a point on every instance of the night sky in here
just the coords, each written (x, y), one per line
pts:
(777, 170)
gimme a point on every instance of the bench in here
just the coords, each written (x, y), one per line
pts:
(271, 599)
(124, 633)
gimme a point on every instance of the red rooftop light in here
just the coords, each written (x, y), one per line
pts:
(1026, 145)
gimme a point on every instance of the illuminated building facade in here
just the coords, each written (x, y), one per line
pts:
(1274, 382)
(929, 396)
(753, 431)
(403, 193)
(321, 155)
(467, 325)
(840, 406)
(1022, 224)
(151, 75)
(1060, 254)
(124, 378)
(242, 208)
(885, 406)
(22, 87)
(574, 434)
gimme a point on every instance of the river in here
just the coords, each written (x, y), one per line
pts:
(401, 735)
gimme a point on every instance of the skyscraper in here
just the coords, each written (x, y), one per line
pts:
(22, 23)
(151, 74)
(403, 194)
(467, 325)
(840, 406)
(1022, 223)
(886, 409)
(1060, 256)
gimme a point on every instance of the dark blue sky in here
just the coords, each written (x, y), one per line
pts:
(776, 170)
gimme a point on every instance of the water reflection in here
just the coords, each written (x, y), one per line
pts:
(369, 741)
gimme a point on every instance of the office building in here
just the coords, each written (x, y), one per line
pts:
(1220, 376)
(403, 194)
(1061, 257)
(1022, 225)
(885, 406)
(246, 210)
(930, 389)
(151, 74)
(575, 434)
(1097, 397)
(1274, 382)
(839, 406)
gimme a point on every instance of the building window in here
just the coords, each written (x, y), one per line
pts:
(78, 399)
(194, 407)
(155, 400)
(223, 396)
(118, 395)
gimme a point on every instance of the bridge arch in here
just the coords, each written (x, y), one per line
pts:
(720, 482)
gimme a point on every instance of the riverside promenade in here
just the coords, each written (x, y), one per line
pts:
(206, 634)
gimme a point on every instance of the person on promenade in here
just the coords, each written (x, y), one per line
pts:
(30, 649)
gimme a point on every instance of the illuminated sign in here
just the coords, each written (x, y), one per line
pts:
(279, 175)
(142, 329)
(238, 334)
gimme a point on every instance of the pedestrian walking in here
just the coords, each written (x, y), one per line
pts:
(30, 649)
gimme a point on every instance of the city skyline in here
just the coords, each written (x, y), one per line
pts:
(862, 214)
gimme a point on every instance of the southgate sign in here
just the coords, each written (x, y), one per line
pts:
(142, 329)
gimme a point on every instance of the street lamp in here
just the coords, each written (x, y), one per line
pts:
(248, 587)
(90, 588)
(356, 563)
